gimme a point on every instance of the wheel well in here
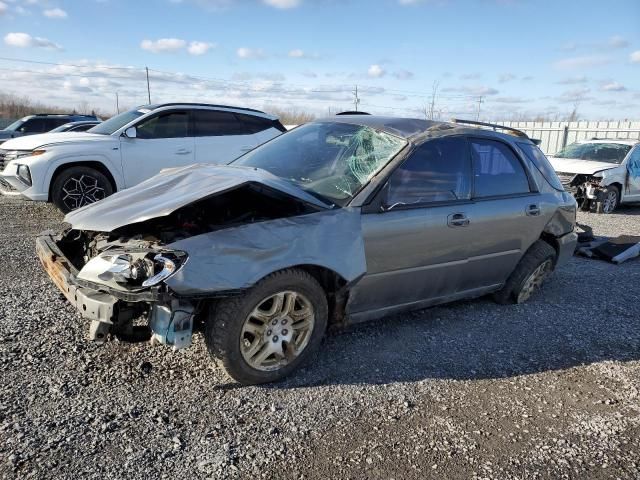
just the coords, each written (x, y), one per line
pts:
(95, 165)
(551, 240)
(616, 184)
(332, 283)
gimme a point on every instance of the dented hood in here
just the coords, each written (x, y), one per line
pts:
(172, 189)
(575, 165)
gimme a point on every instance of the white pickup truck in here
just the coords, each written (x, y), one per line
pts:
(76, 169)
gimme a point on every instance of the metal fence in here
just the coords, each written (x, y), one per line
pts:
(556, 135)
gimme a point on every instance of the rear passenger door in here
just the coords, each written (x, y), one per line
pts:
(507, 214)
(220, 136)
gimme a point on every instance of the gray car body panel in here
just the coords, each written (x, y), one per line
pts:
(174, 188)
(236, 258)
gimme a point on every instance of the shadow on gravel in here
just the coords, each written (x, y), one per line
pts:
(589, 312)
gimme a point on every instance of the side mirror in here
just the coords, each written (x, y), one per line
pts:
(131, 132)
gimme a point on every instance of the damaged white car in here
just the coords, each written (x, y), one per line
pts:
(601, 174)
(338, 221)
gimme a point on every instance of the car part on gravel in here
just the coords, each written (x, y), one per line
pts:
(614, 250)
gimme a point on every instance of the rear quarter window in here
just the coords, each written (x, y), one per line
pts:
(535, 155)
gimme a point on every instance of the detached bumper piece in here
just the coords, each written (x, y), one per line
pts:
(614, 250)
(171, 322)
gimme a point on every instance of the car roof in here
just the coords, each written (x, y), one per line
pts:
(399, 126)
(418, 130)
(248, 111)
(621, 141)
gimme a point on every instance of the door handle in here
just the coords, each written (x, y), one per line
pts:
(183, 151)
(533, 210)
(457, 220)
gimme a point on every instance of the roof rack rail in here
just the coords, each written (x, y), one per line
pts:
(198, 104)
(518, 133)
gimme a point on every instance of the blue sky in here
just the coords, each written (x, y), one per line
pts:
(518, 58)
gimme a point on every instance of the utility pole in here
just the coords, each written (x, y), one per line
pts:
(479, 103)
(148, 87)
(117, 103)
(356, 99)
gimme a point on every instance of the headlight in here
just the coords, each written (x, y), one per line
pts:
(24, 174)
(15, 154)
(144, 269)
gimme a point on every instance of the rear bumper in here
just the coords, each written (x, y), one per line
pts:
(566, 246)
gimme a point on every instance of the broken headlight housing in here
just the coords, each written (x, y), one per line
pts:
(133, 269)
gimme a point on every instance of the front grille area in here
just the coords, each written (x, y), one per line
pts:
(565, 178)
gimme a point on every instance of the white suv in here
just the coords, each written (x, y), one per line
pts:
(76, 169)
(601, 173)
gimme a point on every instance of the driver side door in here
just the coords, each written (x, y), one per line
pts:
(162, 141)
(417, 248)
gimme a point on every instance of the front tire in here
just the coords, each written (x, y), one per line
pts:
(269, 331)
(532, 270)
(78, 186)
(610, 200)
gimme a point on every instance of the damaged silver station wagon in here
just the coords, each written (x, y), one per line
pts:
(337, 221)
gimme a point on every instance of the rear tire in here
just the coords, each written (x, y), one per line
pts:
(258, 338)
(534, 267)
(78, 186)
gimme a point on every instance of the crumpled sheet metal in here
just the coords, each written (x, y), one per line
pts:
(172, 189)
(236, 258)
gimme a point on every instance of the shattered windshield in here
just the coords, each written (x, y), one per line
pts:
(597, 152)
(330, 160)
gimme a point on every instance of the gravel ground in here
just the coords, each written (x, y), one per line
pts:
(549, 389)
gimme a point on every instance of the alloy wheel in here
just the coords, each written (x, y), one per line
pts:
(534, 281)
(277, 330)
(610, 202)
(81, 190)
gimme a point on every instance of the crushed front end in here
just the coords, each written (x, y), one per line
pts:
(117, 283)
(588, 190)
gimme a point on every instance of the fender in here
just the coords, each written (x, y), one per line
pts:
(114, 166)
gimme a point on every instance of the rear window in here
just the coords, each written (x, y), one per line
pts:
(535, 155)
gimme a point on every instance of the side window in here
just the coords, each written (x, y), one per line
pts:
(34, 125)
(535, 155)
(496, 169)
(215, 123)
(254, 124)
(438, 171)
(51, 123)
(165, 125)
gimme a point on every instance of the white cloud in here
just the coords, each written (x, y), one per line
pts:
(403, 74)
(283, 4)
(297, 53)
(470, 76)
(247, 53)
(635, 57)
(573, 80)
(376, 71)
(3, 8)
(24, 40)
(618, 42)
(613, 87)
(586, 61)
(163, 45)
(200, 48)
(55, 13)
(506, 77)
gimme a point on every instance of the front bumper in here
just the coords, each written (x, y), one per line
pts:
(170, 320)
